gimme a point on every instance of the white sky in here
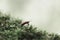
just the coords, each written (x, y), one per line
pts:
(44, 14)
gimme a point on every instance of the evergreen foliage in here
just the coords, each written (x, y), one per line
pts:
(11, 29)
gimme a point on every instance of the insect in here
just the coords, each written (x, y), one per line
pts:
(26, 22)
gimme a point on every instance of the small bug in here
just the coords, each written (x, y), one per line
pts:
(26, 22)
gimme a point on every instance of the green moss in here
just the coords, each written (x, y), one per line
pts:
(11, 29)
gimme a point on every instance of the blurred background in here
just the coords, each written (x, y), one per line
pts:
(43, 14)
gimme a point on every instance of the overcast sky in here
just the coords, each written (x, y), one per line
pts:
(44, 14)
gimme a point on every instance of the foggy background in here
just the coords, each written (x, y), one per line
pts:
(44, 14)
